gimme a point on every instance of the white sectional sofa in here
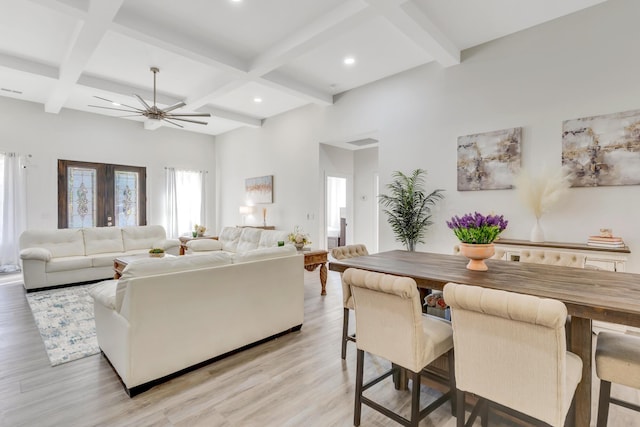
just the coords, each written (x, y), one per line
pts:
(66, 256)
(239, 239)
(168, 315)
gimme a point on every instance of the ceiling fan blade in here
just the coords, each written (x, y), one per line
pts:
(104, 99)
(117, 103)
(142, 101)
(117, 109)
(190, 115)
(190, 121)
(173, 123)
(174, 106)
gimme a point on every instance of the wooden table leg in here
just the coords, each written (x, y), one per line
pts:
(581, 344)
(323, 278)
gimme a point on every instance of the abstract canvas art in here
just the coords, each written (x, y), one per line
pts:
(603, 150)
(489, 161)
(259, 189)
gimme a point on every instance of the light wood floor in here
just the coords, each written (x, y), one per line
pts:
(296, 380)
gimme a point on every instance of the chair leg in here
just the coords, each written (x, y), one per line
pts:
(345, 332)
(452, 382)
(359, 378)
(603, 403)
(459, 408)
(484, 415)
(415, 398)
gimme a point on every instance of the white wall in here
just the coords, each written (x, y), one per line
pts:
(73, 135)
(580, 65)
(365, 199)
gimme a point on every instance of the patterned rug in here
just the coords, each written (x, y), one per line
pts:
(66, 322)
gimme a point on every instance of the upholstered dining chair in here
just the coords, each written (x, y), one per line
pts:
(617, 361)
(564, 259)
(511, 352)
(344, 252)
(390, 324)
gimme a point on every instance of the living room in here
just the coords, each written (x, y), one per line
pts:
(579, 65)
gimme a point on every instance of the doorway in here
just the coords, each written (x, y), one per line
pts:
(336, 215)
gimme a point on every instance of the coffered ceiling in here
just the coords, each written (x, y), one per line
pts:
(220, 56)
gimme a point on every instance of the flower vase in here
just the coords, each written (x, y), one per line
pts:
(537, 234)
(299, 246)
(477, 253)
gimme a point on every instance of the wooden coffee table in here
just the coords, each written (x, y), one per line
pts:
(314, 258)
(121, 262)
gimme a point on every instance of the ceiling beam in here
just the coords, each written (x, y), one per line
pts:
(28, 66)
(281, 81)
(128, 91)
(338, 21)
(208, 94)
(416, 25)
(86, 39)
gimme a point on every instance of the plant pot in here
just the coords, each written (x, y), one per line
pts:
(299, 246)
(477, 253)
(157, 255)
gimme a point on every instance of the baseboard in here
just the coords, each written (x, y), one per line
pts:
(133, 391)
(66, 285)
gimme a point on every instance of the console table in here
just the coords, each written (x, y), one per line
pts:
(314, 259)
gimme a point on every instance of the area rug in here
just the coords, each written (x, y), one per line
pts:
(66, 322)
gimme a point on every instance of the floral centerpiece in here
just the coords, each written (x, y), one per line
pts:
(476, 234)
(198, 230)
(299, 238)
(156, 252)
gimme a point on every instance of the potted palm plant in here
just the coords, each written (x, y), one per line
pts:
(408, 207)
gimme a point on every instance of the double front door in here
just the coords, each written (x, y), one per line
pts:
(100, 195)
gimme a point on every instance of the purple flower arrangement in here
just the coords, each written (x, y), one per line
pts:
(477, 228)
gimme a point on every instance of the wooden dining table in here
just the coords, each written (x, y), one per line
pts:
(588, 294)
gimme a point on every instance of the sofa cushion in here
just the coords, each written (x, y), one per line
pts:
(264, 253)
(105, 293)
(98, 240)
(153, 266)
(249, 239)
(142, 237)
(270, 238)
(61, 243)
(199, 245)
(67, 263)
(104, 260)
(229, 237)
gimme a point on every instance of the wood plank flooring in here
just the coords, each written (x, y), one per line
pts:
(296, 380)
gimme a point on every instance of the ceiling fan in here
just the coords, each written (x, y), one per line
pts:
(153, 112)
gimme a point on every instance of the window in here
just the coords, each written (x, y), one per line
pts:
(99, 194)
(185, 201)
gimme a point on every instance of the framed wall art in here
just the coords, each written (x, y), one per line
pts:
(603, 150)
(259, 189)
(489, 161)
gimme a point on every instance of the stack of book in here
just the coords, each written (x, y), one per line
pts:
(606, 242)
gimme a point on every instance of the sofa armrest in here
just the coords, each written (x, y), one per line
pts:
(105, 293)
(167, 244)
(40, 254)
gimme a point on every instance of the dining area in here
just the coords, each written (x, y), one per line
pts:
(542, 304)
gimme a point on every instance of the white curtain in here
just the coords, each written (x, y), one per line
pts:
(13, 217)
(186, 201)
(172, 204)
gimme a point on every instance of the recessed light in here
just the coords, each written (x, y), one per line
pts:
(236, 1)
(116, 104)
(349, 60)
(257, 100)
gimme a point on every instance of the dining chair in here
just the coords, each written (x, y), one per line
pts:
(565, 259)
(617, 361)
(511, 352)
(390, 324)
(344, 252)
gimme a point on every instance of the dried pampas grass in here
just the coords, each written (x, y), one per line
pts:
(542, 192)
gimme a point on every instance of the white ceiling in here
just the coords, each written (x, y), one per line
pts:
(217, 56)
